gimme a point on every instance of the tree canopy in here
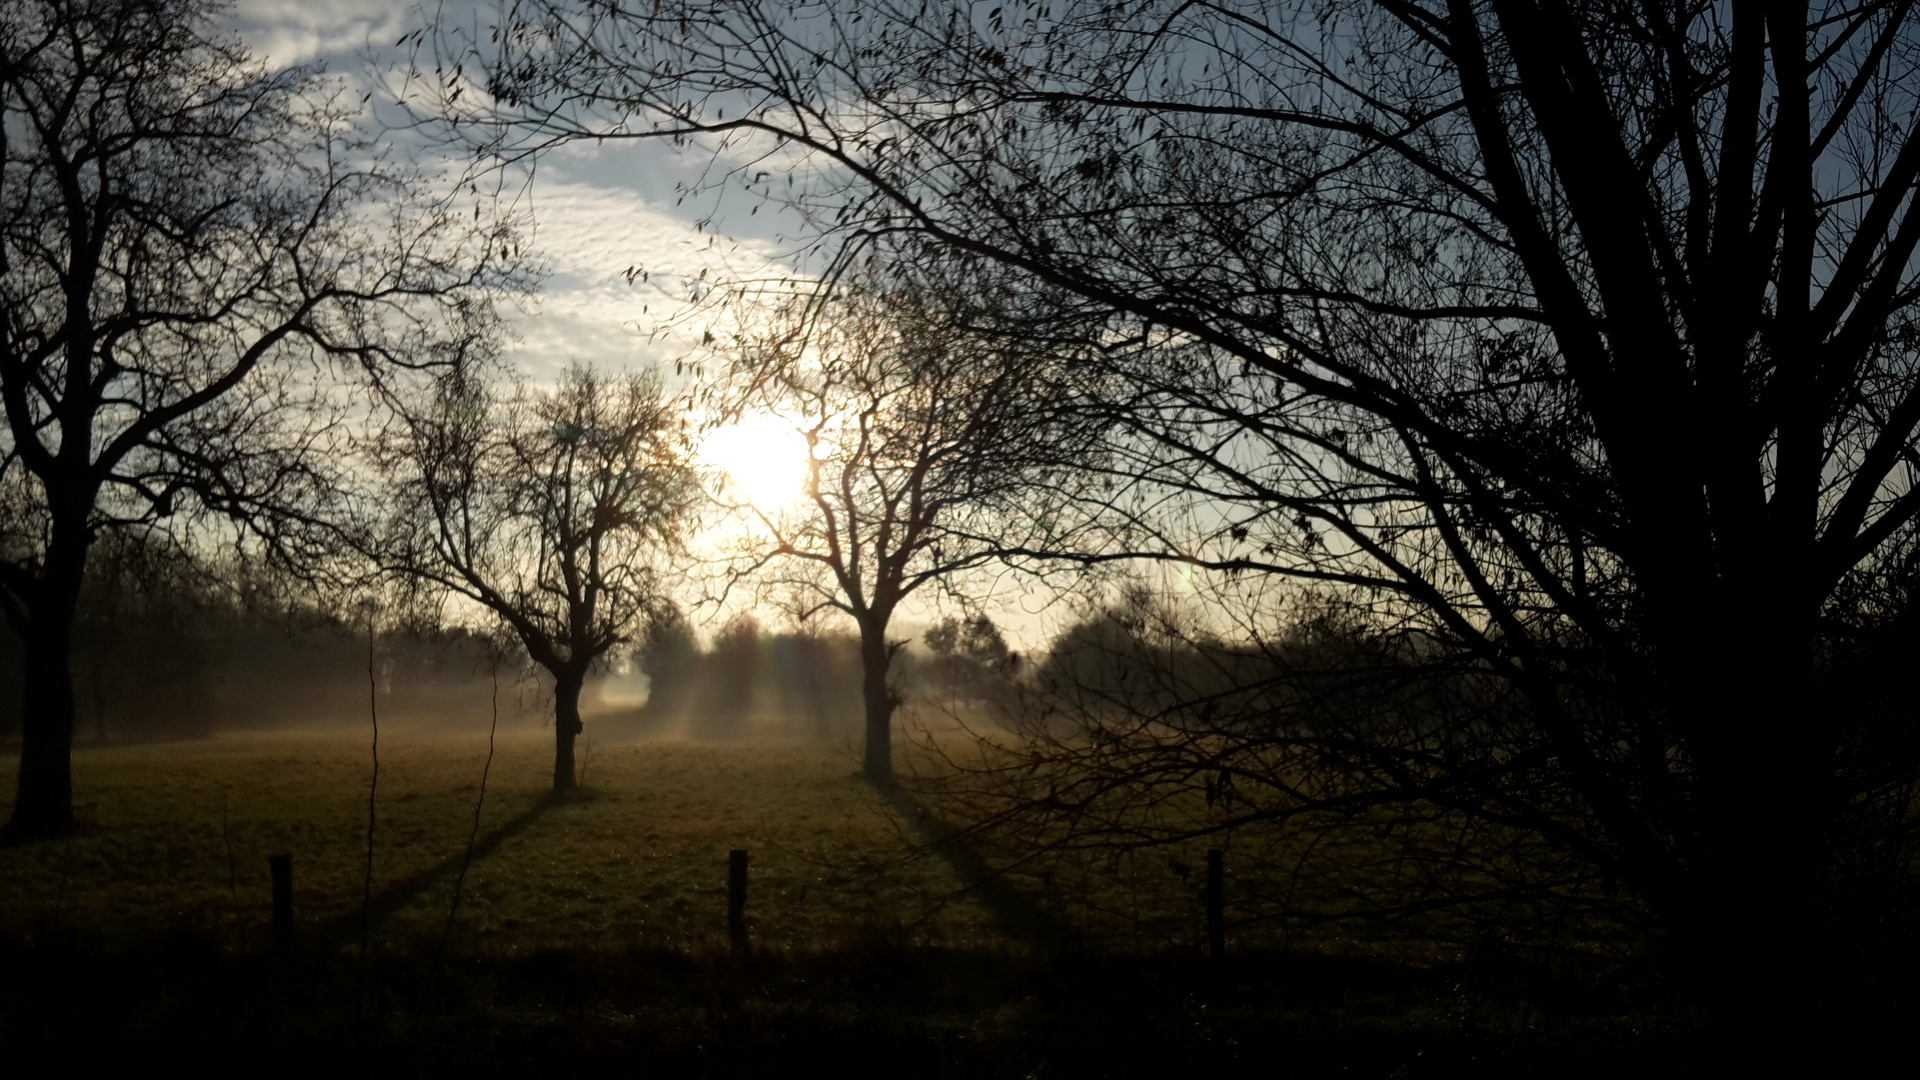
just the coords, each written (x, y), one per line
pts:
(1578, 340)
(205, 264)
(933, 450)
(548, 508)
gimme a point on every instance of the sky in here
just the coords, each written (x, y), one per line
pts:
(598, 210)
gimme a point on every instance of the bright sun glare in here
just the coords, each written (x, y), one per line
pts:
(763, 457)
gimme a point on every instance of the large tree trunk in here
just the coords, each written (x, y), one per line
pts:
(878, 697)
(1766, 973)
(566, 728)
(44, 803)
(1755, 925)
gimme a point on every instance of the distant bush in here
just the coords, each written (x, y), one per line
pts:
(971, 660)
(816, 678)
(748, 681)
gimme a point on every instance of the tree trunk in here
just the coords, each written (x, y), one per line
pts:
(1755, 929)
(566, 728)
(1765, 975)
(44, 803)
(878, 697)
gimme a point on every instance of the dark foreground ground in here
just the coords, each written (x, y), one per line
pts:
(868, 1011)
(589, 940)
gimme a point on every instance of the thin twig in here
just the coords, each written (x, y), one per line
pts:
(477, 804)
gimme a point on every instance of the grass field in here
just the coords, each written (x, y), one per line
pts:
(590, 934)
(175, 839)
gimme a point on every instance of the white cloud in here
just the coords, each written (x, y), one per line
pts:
(598, 232)
(592, 237)
(296, 31)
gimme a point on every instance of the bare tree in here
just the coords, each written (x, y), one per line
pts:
(933, 450)
(1579, 338)
(546, 508)
(201, 260)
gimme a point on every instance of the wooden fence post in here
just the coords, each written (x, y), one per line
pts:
(282, 868)
(1216, 903)
(737, 899)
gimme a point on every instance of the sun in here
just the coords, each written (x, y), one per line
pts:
(763, 457)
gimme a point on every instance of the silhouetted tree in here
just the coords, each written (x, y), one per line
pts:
(1577, 339)
(146, 637)
(933, 450)
(969, 654)
(201, 257)
(546, 508)
(818, 676)
(670, 659)
(729, 676)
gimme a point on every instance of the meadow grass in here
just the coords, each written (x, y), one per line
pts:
(174, 838)
(591, 932)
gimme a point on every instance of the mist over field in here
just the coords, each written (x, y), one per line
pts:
(182, 668)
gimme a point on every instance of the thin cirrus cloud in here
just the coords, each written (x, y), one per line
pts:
(597, 211)
(629, 282)
(299, 31)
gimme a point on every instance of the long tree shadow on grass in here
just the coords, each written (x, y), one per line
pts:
(1019, 916)
(346, 927)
